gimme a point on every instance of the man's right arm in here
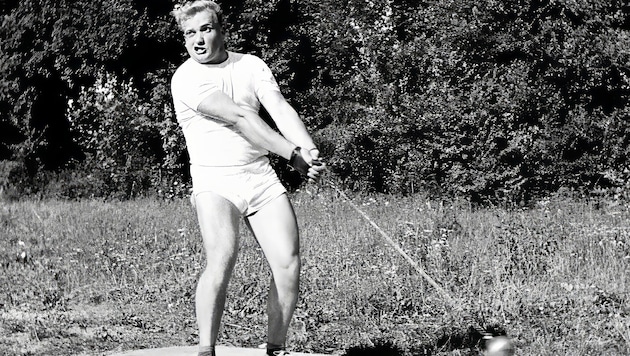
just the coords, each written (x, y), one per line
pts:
(253, 127)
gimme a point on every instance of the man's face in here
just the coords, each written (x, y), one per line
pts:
(204, 38)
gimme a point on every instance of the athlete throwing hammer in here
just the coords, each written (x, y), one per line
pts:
(217, 96)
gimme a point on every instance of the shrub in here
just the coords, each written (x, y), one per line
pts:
(488, 101)
(122, 146)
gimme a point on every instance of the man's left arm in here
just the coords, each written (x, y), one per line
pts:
(287, 120)
(293, 129)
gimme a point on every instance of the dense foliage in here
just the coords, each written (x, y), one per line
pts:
(494, 101)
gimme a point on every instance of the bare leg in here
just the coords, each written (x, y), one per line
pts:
(219, 222)
(276, 230)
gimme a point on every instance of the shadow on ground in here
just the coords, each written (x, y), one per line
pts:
(380, 348)
(468, 342)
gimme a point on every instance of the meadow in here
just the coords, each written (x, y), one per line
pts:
(93, 277)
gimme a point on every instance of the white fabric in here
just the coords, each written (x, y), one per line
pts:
(248, 187)
(211, 142)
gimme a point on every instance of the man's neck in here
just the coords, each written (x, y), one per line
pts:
(220, 59)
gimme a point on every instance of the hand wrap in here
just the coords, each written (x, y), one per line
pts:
(298, 163)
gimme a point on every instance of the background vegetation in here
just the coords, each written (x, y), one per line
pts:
(509, 102)
(492, 101)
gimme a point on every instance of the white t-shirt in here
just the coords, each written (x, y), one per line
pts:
(211, 142)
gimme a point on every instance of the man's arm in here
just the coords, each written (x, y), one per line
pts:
(292, 127)
(287, 119)
(254, 128)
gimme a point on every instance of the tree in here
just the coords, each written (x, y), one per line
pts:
(52, 49)
(487, 100)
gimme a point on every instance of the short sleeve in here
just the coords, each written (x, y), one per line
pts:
(264, 80)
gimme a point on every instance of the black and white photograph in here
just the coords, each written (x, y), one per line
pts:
(314, 178)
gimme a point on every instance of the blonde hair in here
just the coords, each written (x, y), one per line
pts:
(188, 9)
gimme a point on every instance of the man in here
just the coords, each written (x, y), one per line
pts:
(217, 95)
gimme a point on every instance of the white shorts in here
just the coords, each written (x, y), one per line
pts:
(248, 187)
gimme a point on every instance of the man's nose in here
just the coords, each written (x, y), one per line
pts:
(199, 38)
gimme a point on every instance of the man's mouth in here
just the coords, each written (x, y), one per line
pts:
(200, 50)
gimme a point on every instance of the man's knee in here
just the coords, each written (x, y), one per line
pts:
(287, 265)
(220, 256)
(218, 270)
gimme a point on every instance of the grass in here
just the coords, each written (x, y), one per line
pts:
(92, 278)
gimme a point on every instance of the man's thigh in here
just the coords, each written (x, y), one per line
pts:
(275, 228)
(219, 223)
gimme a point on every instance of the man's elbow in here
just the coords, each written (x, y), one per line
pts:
(230, 116)
(239, 118)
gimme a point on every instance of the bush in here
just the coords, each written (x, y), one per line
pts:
(492, 102)
(489, 102)
(12, 174)
(123, 147)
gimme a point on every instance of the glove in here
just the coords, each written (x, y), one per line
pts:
(298, 163)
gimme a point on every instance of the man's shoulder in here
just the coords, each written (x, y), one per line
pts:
(183, 68)
(245, 58)
(186, 74)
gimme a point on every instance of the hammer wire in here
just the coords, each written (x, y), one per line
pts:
(412, 262)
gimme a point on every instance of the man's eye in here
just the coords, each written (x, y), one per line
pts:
(189, 33)
(206, 29)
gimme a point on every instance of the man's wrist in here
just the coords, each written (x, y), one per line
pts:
(295, 155)
(297, 161)
(287, 150)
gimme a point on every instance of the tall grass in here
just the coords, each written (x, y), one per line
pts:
(91, 278)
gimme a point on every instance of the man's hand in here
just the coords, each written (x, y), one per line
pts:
(307, 163)
(317, 166)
